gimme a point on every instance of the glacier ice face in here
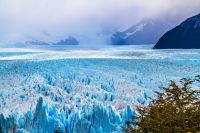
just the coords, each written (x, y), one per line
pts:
(97, 95)
(95, 119)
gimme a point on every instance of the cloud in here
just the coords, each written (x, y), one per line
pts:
(51, 20)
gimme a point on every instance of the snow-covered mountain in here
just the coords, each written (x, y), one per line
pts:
(184, 36)
(148, 31)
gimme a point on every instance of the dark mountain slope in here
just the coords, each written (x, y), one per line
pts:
(184, 36)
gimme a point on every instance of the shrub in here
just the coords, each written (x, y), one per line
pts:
(175, 109)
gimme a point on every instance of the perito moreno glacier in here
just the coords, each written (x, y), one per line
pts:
(77, 92)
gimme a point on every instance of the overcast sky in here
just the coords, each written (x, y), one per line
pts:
(51, 20)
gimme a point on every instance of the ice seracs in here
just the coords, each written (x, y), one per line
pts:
(87, 95)
(92, 119)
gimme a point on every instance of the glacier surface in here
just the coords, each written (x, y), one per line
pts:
(93, 91)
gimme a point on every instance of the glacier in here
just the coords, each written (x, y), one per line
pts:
(94, 119)
(94, 91)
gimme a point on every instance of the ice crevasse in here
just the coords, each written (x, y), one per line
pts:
(90, 119)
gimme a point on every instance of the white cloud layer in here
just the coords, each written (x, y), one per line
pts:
(51, 20)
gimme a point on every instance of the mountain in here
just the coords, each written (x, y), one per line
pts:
(68, 41)
(148, 31)
(36, 43)
(184, 36)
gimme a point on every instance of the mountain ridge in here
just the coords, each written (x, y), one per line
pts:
(184, 36)
(67, 41)
(148, 31)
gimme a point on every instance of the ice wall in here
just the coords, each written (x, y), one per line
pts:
(90, 119)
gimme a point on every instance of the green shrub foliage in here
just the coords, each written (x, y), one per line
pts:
(175, 109)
